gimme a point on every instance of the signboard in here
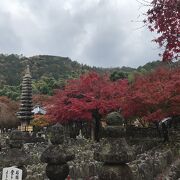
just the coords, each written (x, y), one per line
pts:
(12, 173)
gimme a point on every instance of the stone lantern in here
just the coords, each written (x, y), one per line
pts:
(114, 150)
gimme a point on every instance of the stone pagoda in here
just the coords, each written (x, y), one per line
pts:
(25, 111)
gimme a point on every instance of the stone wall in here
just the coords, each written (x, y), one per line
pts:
(141, 145)
(138, 132)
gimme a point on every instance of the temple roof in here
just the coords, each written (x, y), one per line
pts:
(38, 110)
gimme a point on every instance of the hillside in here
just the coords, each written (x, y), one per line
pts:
(12, 68)
(50, 72)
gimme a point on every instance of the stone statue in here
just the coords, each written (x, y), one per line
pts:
(57, 155)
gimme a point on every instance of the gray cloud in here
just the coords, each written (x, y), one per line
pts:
(94, 32)
(9, 40)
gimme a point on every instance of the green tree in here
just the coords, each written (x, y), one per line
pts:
(12, 92)
(45, 85)
(118, 75)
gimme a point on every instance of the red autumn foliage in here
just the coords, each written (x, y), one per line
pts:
(154, 96)
(150, 97)
(40, 99)
(89, 96)
(164, 18)
(8, 109)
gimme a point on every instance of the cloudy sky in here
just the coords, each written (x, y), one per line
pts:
(102, 33)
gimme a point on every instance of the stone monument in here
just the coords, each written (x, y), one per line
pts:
(57, 155)
(12, 173)
(15, 154)
(25, 111)
(114, 150)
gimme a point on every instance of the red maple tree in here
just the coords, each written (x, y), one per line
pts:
(8, 109)
(164, 18)
(40, 99)
(154, 96)
(89, 97)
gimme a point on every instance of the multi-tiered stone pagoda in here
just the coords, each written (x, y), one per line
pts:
(25, 111)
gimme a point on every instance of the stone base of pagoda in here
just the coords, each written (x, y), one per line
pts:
(25, 127)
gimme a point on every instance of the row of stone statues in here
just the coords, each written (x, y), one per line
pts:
(113, 151)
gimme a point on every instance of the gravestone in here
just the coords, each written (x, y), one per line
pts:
(12, 173)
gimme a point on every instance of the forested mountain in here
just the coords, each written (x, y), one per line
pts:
(50, 72)
(12, 68)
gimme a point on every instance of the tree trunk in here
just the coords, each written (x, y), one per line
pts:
(97, 118)
(92, 131)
